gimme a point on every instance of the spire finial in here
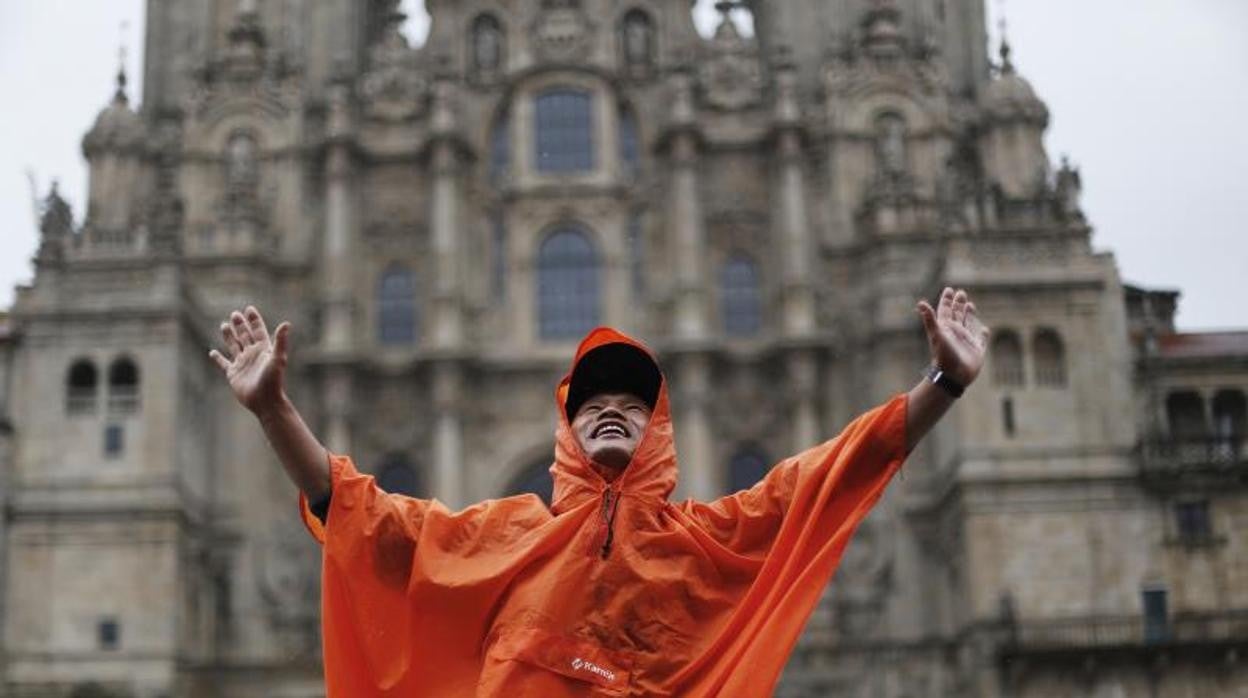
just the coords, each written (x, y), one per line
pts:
(1002, 28)
(120, 95)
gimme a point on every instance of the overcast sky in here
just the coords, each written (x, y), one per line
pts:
(1149, 99)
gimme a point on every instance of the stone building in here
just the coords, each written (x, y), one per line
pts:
(442, 222)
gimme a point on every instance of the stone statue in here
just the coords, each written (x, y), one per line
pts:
(637, 39)
(891, 144)
(487, 44)
(241, 171)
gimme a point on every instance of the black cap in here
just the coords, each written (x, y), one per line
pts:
(613, 368)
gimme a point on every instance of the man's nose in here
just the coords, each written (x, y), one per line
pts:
(610, 411)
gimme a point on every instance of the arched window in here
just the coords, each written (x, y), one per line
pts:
(1049, 358)
(500, 148)
(1230, 416)
(637, 38)
(1185, 411)
(487, 44)
(535, 479)
(630, 153)
(396, 306)
(81, 387)
(565, 131)
(567, 285)
(123, 385)
(740, 297)
(747, 468)
(890, 143)
(397, 475)
(1007, 359)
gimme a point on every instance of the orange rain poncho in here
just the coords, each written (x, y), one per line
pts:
(511, 598)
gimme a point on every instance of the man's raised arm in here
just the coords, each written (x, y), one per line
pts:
(957, 340)
(255, 366)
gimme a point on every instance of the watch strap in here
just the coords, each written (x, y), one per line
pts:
(938, 376)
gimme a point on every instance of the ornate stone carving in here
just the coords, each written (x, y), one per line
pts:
(393, 88)
(732, 77)
(562, 31)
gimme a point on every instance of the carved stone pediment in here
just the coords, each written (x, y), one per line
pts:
(732, 77)
(562, 32)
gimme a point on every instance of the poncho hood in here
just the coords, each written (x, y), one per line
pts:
(650, 476)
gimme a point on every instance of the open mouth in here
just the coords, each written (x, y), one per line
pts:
(609, 430)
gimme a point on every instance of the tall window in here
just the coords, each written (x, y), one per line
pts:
(1230, 416)
(398, 476)
(1007, 359)
(396, 304)
(498, 258)
(1185, 411)
(630, 154)
(740, 297)
(123, 386)
(500, 148)
(1049, 357)
(747, 468)
(567, 285)
(82, 387)
(565, 131)
(1156, 614)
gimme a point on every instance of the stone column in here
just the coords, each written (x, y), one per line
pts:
(793, 223)
(804, 385)
(685, 209)
(338, 400)
(693, 428)
(447, 326)
(448, 438)
(338, 328)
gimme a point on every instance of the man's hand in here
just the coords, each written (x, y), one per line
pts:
(256, 368)
(955, 334)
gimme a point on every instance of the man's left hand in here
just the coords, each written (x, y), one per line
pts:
(956, 336)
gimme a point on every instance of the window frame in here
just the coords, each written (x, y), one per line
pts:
(583, 295)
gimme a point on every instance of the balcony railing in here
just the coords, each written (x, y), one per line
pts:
(1219, 460)
(1097, 633)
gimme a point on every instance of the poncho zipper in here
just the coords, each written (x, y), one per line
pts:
(606, 527)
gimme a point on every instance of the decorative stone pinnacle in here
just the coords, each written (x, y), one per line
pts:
(120, 95)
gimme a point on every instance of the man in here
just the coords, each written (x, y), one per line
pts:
(613, 589)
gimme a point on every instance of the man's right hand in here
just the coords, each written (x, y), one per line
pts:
(256, 363)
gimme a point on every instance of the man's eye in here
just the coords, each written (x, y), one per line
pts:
(593, 408)
(637, 408)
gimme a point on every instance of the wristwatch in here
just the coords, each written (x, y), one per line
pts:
(937, 375)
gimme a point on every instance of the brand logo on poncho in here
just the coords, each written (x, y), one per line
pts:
(579, 664)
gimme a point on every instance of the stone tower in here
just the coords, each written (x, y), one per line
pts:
(441, 223)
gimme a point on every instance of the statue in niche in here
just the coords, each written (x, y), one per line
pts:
(890, 144)
(487, 44)
(241, 168)
(638, 39)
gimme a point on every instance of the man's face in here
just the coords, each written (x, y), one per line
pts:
(609, 427)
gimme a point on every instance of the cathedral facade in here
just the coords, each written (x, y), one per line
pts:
(442, 223)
